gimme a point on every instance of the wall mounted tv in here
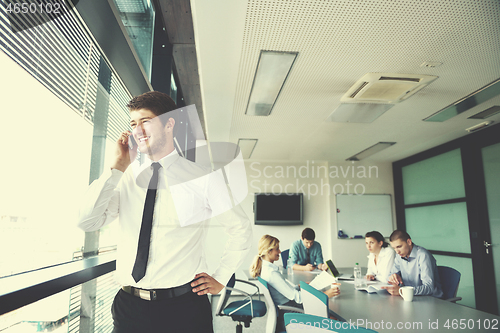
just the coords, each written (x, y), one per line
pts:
(278, 209)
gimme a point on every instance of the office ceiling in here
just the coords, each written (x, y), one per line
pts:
(338, 42)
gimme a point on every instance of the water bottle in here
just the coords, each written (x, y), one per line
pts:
(359, 279)
(289, 268)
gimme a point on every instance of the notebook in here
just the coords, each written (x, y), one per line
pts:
(335, 272)
(375, 287)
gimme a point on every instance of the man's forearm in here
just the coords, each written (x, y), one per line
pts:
(300, 267)
(424, 290)
(100, 203)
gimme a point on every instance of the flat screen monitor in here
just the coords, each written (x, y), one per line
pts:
(278, 209)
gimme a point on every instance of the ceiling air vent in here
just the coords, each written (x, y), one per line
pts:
(386, 88)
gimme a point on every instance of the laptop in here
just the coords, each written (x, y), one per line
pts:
(334, 271)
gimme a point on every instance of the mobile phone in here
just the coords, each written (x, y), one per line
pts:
(131, 142)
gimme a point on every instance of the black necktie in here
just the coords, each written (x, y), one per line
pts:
(141, 259)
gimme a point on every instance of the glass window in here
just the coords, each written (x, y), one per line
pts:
(60, 313)
(55, 74)
(440, 227)
(47, 168)
(436, 178)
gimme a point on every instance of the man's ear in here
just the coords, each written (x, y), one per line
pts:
(170, 124)
(409, 241)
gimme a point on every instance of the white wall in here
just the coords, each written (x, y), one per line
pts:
(374, 178)
(319, 204)
(290, 178)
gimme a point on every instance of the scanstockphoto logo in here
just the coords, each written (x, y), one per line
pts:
(26, 14)
(310, 179)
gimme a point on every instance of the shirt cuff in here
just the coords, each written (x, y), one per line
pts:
(223, 276)
(113, 176)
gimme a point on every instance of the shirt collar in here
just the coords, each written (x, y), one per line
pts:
(412, 255)
(383, 252)
(143, 172)
(268, 264)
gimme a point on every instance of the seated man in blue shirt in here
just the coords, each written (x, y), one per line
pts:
(414, 266)
(306, 254)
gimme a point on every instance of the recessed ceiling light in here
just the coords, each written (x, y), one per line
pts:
(247, 147)
(272, 71)
(468, 102)
(370, 151)
(486, 113)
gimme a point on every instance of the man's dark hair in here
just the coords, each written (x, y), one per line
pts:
(155, 101)
(378, 237)
(399, 234)
(308, 234)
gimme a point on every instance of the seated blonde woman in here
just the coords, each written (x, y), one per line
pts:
(282, 292)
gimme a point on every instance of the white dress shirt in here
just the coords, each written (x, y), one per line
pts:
(188, 196)
(419, 270)
(385, 262)
(280, 289)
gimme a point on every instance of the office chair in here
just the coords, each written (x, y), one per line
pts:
(450, 279)
(272, 316)
(284, 257)
(300, 322)
(315, 302)
(241, 311)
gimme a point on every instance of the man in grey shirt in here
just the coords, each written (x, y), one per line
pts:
(414, 266)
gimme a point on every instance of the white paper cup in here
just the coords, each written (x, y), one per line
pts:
(334, 286)
(407, 293)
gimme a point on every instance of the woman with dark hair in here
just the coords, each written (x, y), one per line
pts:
(381, 257)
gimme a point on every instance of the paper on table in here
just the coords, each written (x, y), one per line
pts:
(375, 287)
(323, 280)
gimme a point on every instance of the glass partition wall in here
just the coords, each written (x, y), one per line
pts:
(491, 162)
(436, 213)
(443, 199)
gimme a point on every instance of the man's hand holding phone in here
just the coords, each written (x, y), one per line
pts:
(126, 151)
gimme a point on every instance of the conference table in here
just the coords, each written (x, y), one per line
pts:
(383, 312)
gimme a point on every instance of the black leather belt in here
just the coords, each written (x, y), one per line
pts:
(158, 294)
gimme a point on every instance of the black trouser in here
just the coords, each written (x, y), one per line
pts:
(187, 313)
(280, 324)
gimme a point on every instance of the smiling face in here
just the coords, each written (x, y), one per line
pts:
(273, 255)
(403, 248)
(372, 245)
(153, 137)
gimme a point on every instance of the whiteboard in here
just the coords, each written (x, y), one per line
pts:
(359, 214)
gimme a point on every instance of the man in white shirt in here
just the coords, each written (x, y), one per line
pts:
(161, 260)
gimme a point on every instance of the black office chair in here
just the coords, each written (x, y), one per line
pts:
(450, 278)
(241, 311)
(284, 257)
